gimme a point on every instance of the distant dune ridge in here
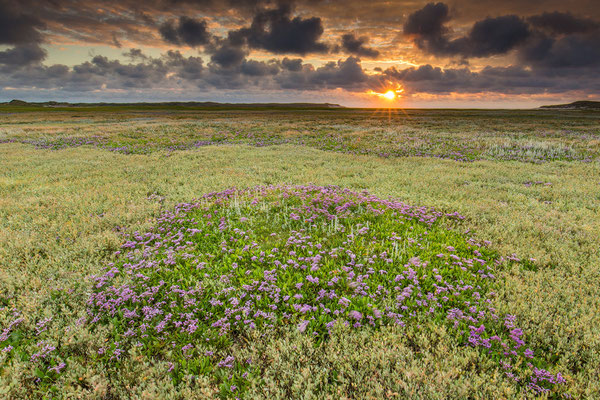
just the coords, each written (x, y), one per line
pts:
(576, 105)
(211, 104)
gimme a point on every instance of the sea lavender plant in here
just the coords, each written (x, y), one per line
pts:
(306, 258)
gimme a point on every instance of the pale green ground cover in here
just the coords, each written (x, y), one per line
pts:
(61, 214)
(533, 136)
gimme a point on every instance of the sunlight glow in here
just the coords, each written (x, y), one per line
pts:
(390, 94)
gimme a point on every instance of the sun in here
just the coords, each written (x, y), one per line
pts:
(390, 95)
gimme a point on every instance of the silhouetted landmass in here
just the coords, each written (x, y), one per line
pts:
(18, 103)
(178, 104)
(577, 105)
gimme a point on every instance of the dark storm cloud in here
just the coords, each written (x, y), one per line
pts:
(227, 54)
(259, 68)
(23, 32)
(125, 75)
(114, 21)
(128, 22)
(101, 73)
(245, 75)
(17, 27)
(273, 30)
(492, 36)
(428, 22)
(172, 71)
(22, 55)
(571, 51)
(356, 45)
(291, 64)
(509, 80)
(548, 40)
(276, 31)
(345, 74)
(186, 68)
(187, 31)
(563, 23)
(487, 37)
(552, 51)
(213, 5)
(562, 41)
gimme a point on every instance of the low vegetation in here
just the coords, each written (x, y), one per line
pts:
(239, 271)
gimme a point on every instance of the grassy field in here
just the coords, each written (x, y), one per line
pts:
(75, 183)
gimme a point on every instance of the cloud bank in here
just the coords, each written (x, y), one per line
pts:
(268, 45)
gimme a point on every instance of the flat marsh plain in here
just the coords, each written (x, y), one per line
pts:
(76, 184)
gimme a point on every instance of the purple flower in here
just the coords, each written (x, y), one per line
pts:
(303, 325)
(58, 368)
(227, 362)
(344, 301)
(355, 315)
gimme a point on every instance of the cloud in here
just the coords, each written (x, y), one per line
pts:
(216, 5)
(121, 75)
(550, 51)
(428, 22)
(137, 23)
(259, 68)
(276, 31)
(548, 40)
(173, 72)
(17, 27)
(23, 32)
(562, 41)
(187, 68)
(491, 36)
(227, 54)
(487, 37)
(558, 23)
(356, 46)
(187, 31)
(347, 74)
(135, 54)
(507, 80)
(344, 74)
(294, 65)
(22, 55)
(570, 51)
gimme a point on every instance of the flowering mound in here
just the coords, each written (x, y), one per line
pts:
(299, 257)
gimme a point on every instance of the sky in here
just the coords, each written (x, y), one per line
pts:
(365, 53)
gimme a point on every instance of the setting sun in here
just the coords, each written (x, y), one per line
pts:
(390, 95)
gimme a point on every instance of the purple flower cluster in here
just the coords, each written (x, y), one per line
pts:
(306, 257)
(432, 146)
(6, 332)
(530, 183)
